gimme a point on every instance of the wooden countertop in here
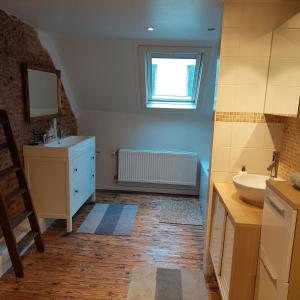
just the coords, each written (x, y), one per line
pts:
(240, 212)
(286, 191)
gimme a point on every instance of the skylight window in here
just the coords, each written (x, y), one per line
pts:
(173, 79)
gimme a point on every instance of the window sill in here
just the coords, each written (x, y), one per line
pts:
(162, 105)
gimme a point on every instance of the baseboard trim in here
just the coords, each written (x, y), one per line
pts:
(175, 191)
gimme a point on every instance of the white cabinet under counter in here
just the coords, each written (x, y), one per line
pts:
(278, 275)
(234, 243)
(61, 176)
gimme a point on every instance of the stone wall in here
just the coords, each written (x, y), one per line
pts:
(19, 43)
(290, 154)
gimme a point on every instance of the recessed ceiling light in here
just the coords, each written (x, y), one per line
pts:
(211, 29)
(149, 28)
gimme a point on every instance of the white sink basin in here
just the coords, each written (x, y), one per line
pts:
(66, 142)
(67, 147)
(251, 187)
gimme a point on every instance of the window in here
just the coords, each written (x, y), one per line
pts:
(172, 79)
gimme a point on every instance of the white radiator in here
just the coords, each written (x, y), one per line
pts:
(178, 168)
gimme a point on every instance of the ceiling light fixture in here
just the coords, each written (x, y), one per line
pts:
(149, 28)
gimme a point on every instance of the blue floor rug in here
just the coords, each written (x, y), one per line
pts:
(110, 219)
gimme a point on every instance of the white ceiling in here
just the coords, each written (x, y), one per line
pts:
(172, 19)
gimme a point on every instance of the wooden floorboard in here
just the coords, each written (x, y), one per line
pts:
(89, 266)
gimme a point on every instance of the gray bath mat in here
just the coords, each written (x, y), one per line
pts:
(110, 219)
(181, 212)
(150, 283)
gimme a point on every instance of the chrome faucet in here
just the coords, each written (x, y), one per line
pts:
(273, 167)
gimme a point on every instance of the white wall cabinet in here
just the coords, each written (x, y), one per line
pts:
(283, 87)
(61, 177)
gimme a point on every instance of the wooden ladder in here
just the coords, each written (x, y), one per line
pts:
(7, 223)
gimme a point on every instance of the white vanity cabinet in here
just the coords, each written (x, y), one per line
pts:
(61, 176)
(234, 243)
(279, 264)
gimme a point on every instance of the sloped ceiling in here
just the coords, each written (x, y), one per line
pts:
(172, 19)
(96, 40)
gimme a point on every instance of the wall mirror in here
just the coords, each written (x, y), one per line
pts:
(42, 92)
(283, 88)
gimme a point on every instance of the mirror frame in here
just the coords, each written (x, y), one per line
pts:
(25, 68)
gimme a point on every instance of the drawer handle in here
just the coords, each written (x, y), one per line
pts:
(271, 275)
(75, 170)
(76, 191)
(93, 157)
(279, 209)
(93, 175)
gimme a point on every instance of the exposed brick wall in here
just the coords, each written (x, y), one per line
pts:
(19, 44)
(290, 155)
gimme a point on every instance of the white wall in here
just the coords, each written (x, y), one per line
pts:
(114, 130)
(104, 75)
(48, 44)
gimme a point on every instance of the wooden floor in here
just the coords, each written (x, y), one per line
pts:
(88, 266)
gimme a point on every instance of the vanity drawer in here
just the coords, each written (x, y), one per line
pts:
(77, 197)
(277, 234)
(82, 166)
(267, 286)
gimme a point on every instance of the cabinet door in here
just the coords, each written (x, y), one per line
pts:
(283, 87)
(217, 233)
(277, 235)
(267, 286)
(227, 257)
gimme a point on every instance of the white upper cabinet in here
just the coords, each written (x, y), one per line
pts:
(283, 86)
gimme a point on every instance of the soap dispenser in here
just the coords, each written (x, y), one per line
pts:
(243, 170)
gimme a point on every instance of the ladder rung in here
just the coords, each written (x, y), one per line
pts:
(3, 146)
(19, 218)
(26, 239)
(8, 171)
(14, 195)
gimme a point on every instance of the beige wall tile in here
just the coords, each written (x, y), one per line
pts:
(248, 135)
(222, 134)
(286, 42)
(253, 158)
(230, 42)
(251, 70)
(228, 70)
(273, 137)
(234, 14)
(226, 98)
(222, 176)
(266, 159)
(243, 70)
(254, 42)
(250, 98)
(220, 159)
(251, 42)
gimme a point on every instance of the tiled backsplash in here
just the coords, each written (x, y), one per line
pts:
(290, 155)
(248, 117)
(244, 143)
(250, 138)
